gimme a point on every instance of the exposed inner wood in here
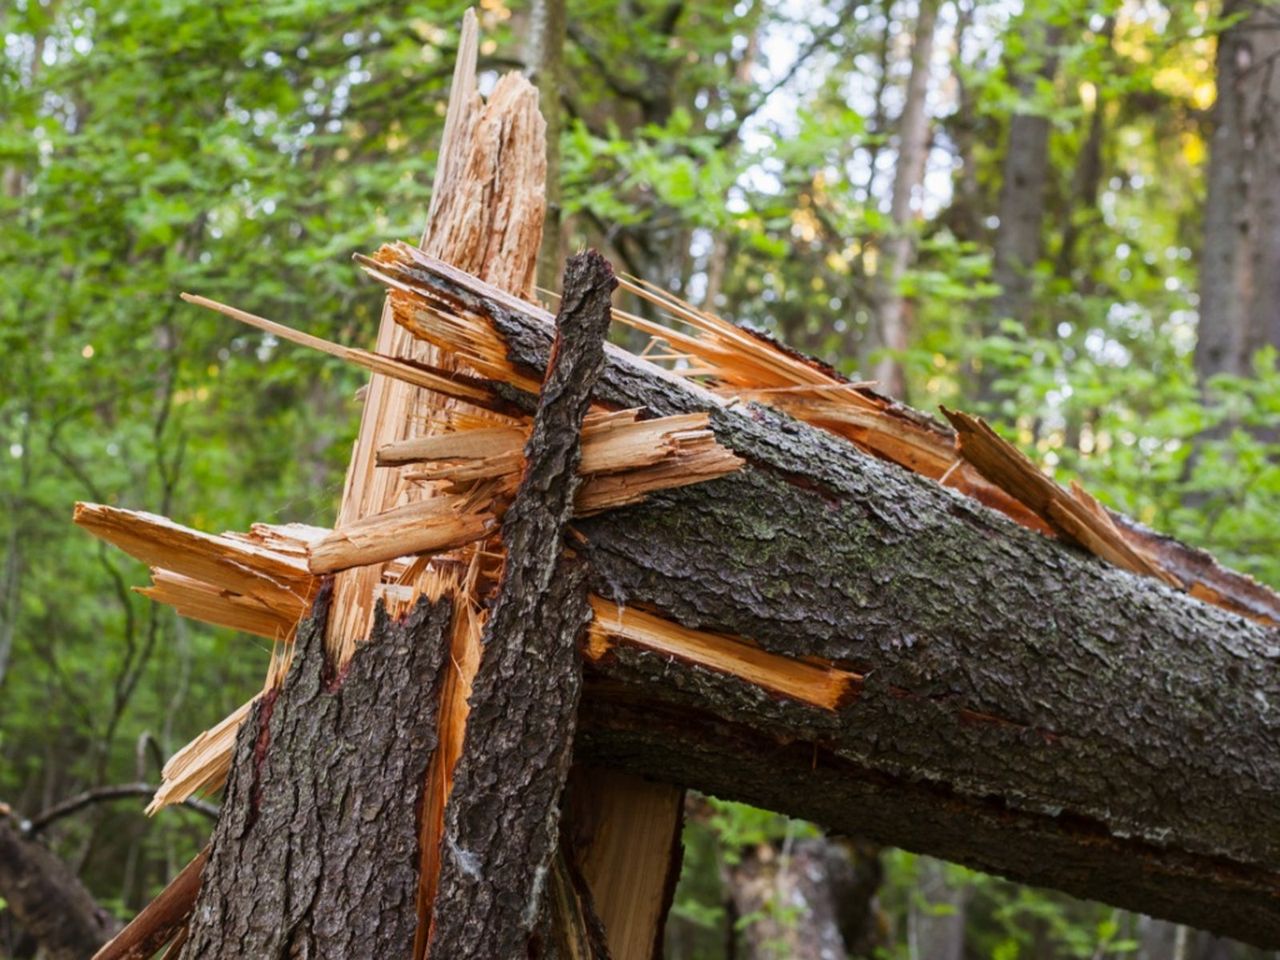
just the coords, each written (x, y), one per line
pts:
(403, 371)
(822, 686)
(1075, 516)
(202, 765)
(624, 832)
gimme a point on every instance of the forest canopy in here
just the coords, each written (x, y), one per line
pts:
(1051, 212)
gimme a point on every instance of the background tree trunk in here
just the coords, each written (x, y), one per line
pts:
(813, 899)
(1240, 262)
(908, 177)
(47, 899)
(1021, 205)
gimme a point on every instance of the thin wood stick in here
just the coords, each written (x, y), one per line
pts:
(387, 366)
(161, 919)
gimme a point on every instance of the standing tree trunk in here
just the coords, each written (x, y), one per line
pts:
(908, 178)
(1240, 262)
(811, 900)
(1021, 205)
(316, 851)
(937, 918)
(544, 61)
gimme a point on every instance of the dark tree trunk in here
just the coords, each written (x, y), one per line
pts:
(501, 822)
(47, 899)
(1240, 262)
(544, 61)
(899, 248)
(1021, 205)
(316, 851)
(1019, 707)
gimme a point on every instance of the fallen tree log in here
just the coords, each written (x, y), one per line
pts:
(1017, 705)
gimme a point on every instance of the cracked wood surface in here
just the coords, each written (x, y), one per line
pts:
(501, 820)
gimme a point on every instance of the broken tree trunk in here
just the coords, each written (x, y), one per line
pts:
(500, 828)
(314, 856)
(991, 696)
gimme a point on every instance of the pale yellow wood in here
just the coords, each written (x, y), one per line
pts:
(626, 831)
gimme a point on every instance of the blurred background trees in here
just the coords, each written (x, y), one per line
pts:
(1062, 213)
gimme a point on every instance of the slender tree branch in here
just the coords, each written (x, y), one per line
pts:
(106, 794)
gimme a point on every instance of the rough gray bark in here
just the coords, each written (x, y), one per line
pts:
(47, 899)
(316, 852)
(502, 817)
(1240, 261)
(1025, 709)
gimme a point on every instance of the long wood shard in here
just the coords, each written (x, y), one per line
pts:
(820, 685)
(519, 736)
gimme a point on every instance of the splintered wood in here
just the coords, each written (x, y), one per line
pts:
(1075, 516)
(820, 685)
(441, 451)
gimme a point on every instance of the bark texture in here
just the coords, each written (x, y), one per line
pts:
(316, 852)
(47, 899)
(1025, 709)
(502, 817)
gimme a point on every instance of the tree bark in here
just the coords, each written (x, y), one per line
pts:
(1240, 262)
(502, 817)
(1020, 707)
(316, 852)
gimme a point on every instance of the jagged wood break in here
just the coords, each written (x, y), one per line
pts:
(995, 662)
